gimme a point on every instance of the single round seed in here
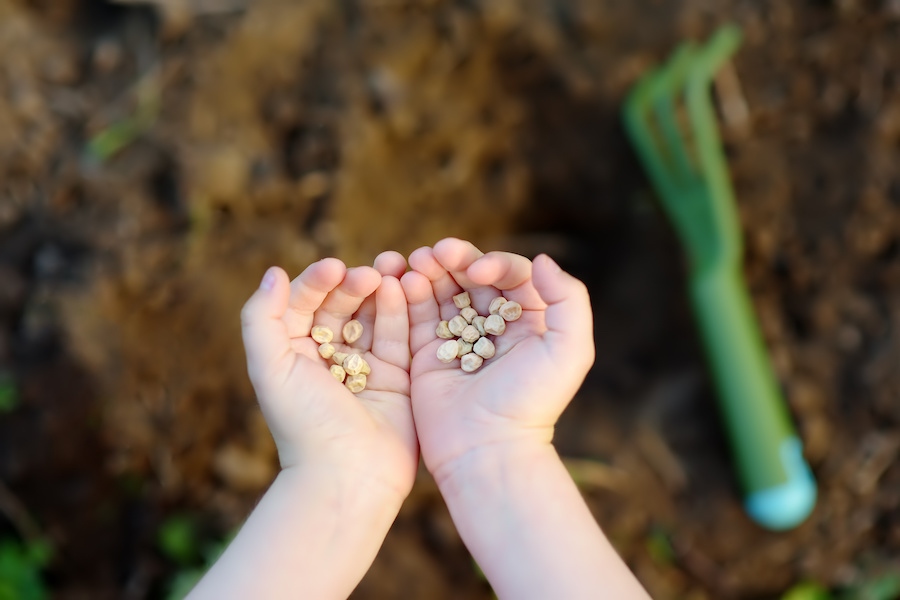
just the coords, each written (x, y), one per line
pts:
(443, 331)
(464, 348)
(462, 300)
(338, 372)
(447, 351)
(326, 350)
(468, 313)
(510, 311)
(356, 383)
(339, 357)
(495, 304)
(366, 369)
(456, 325)
(353, 364)
(478, 322)
(484, 348)
(495, 325)
(470, 362)
(470, 333)
(321, 334)
(352, 331)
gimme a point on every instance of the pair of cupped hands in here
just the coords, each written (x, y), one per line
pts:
(412, 400)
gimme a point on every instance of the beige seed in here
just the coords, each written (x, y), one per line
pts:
(464, 348)
(338, 372)
(478, 322)
(443, 331)
(495, 325)
(468, 313)
(484, 348)
(456, 325)
(339, 357)
(447, 351)
(495, 304)
(326, 351)
(352, 331)
(356, 383)
(322, 334)
(462, 300)
(470, 362)
(510, 311)
(470, 333)
(366, 369)
(353, 364)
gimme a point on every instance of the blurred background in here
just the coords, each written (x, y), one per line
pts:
(157, 155)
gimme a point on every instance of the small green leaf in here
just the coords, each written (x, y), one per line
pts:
(9, 395)
(807, 591)
(178, 540)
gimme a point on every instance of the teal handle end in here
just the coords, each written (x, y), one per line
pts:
(788, 504)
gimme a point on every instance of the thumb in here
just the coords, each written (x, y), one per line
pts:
(266, 339)
(569, 320)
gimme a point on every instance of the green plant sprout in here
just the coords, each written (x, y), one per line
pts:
(20, 569)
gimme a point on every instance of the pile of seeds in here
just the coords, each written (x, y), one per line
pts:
(467, 332)
(348, 368)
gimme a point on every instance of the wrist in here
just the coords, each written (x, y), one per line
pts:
(487, 469)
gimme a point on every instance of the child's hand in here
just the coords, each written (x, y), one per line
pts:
(516, 397)
(315, 420)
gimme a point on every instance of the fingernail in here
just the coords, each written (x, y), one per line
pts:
(552, 262)
(268, 281)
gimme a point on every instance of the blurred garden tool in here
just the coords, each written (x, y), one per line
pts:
(671, 121)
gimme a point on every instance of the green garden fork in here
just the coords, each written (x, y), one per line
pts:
(670, 119)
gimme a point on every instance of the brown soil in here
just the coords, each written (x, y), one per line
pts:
(285, 130)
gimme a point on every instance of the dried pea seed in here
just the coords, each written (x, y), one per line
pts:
(456, 325)
(470, 334)
(495, 325)
(339, 357)
(338, 372)
(462, 300)
(464, 348)
(468, 313)
(484, 348)
(495, 304)
(326, 350)
(471, 362)
(443, 331)
(352, 331)
(353, 364)
(356, 383)
(447, 351)
(478, 322)
(321, 334)
(511, 311)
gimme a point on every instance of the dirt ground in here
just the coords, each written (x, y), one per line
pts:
(156, 156)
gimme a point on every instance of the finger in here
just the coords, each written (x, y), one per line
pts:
(510, 274)
(423, 309)
(390, 263)
(444, 286)
(266, 339)
(341, 304)
(391, 331)
(456, 256)
(308, 291)
(569, 320)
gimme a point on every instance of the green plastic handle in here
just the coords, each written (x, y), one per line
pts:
(779, 488)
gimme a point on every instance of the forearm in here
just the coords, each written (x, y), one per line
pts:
(313, 535)
(525, 522)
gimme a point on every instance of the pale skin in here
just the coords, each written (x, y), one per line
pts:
(349, 461)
